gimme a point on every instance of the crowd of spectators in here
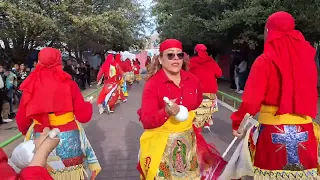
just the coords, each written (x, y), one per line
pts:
(11, 77)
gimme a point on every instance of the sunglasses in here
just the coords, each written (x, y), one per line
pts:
(171, 56)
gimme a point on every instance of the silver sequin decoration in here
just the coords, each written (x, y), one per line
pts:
(290, 138)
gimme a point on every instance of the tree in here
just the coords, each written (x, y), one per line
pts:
(225, 23)
(73, 25)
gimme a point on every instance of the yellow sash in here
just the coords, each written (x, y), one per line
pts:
(267, 116)
(153, 143)
(59, 120)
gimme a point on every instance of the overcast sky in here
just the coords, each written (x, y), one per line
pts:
(147, 4)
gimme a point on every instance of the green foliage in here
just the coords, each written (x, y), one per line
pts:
(221, 23)
(76, 25)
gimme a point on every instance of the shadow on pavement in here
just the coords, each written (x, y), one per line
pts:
(133, 133)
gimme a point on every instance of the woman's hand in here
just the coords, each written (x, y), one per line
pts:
(236, 133)
(173, 109)
(44, 145)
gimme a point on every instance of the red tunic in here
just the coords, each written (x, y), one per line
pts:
(148, 62)
(28, 173)
(136, 67)
(82, 111)
(127, 65)
(189, 94)
(263, 87)
(207, 70)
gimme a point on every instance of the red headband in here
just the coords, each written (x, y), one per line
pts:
(170, 43)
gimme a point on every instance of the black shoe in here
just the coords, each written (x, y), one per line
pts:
(12, 115)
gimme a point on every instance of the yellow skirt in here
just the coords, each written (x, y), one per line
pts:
(129, 77)
(179, 160)
(137, 77)
(204, 113)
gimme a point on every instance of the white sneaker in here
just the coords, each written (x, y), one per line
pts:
(206, 129)
(101, 109)
(124, 101)
(240, 92)
(7, 120)
(237, 90)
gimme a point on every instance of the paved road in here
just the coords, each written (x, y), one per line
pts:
(115, 137)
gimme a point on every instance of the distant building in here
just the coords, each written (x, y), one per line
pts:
(153, 42)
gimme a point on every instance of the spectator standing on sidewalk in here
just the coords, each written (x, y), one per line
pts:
(68, 68)
(3, 98)
(11, 83)
(82, 76)
(88, 74)
(21, 76)
(242, 74)
(34, 65)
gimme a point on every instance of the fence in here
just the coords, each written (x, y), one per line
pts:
(231, 100)
(19, 135)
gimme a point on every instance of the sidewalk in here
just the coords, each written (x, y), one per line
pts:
(224, 86)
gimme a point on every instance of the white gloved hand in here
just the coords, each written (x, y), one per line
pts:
(90, 99)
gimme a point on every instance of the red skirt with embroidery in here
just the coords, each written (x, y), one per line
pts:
(285, 150)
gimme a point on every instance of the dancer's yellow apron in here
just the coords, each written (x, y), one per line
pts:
(153, 143)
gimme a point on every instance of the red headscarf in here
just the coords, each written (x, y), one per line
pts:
(117, 63)
(128, 65)
(117, 59)
(170, 43)
(46, 89)
(106, 65)
(148, 61)
(294, 57)
(203, 58)
(201, 50)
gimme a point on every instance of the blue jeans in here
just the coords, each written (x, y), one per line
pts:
(11, 98)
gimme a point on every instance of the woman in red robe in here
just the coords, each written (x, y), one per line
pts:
(207, 70)
(136, 70)
(109, 94)
(37, 167)
(52, 99)
(171, 148)
(129, 75)
(282, 85)
(148, 63)
(120, 73)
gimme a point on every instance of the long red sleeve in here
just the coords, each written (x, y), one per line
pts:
(22, 121)
(217, 70)
(6, 170)
(82, 109)
(99, 76)
(199, 92)
(150, 115)
(254, 92)
(34, 173)
(28, 173)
